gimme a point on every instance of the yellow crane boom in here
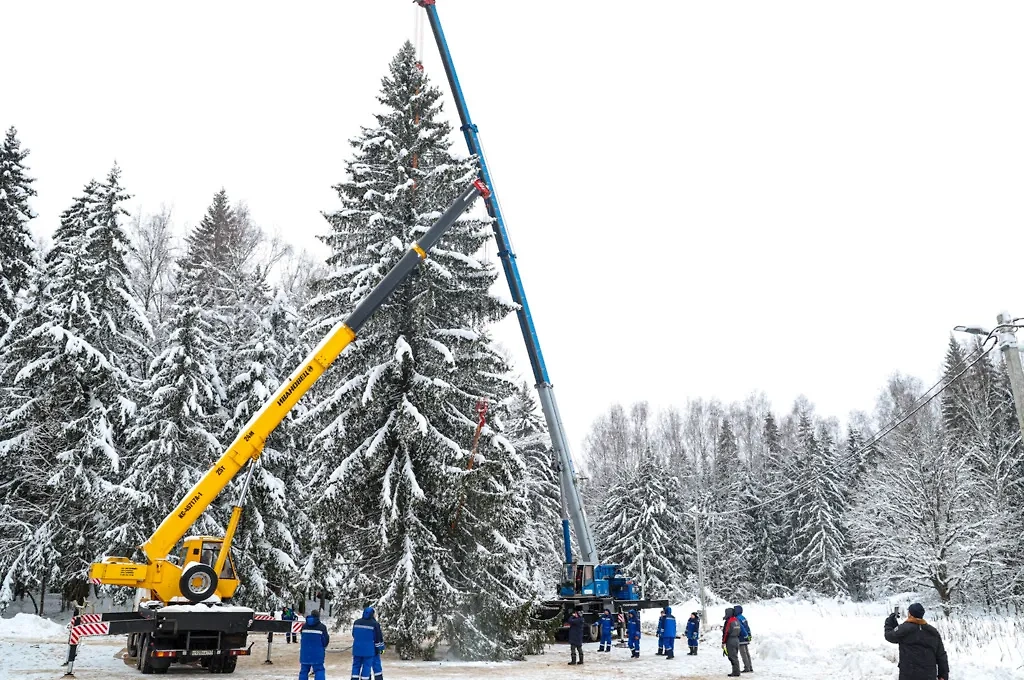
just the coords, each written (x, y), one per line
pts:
(206, 567)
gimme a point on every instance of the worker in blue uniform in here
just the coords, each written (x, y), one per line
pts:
(367, 646)
(668, 634)
(693, 632)
(659, 634)
(633, 633)
(606, 631)
(313, 639)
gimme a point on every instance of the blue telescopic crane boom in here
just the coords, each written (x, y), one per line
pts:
(572, 504)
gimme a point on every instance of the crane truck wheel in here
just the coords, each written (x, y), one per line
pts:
(198, 582)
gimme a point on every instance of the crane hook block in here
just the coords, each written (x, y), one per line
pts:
(482, 188)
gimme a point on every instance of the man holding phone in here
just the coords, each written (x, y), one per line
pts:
(922, 655)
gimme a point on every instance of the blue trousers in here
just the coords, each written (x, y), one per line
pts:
(634, 643)
(606, 638)
(668, 644)
(318, 671)
(364, 667)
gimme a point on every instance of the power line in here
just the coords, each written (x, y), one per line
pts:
(925, 399)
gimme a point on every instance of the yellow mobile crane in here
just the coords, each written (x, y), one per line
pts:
(180, 620)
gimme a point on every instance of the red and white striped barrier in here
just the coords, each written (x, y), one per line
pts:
(86, 629)
(263, 617)
(297, 626)
(90, 618)
(95, 581)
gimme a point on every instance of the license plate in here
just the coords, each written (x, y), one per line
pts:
(201, 652)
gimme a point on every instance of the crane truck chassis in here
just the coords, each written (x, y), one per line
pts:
(186, 619)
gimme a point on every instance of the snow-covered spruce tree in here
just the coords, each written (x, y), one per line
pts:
(820, 508)
(395, 417)
(763, 522)
(526, 428)
(268, 544)
(69, 357)
(175, 434)
(17, 250)
(640, 526)
(721, 505)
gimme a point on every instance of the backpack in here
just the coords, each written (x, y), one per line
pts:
(744, 629)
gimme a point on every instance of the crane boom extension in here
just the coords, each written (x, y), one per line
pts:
(572, 503)
(248, 446)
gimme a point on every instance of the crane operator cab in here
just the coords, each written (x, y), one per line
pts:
(199, 578)
(598, 580)
(582, 582)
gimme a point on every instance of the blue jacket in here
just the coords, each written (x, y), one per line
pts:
(575, 629)
(606, 623)
(288, 614)
(367, 638)
(745, 636)
(661, 624)
(693, 631)
(668, 628)
(313, 641)
(633, 626)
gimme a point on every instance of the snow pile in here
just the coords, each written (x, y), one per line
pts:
(30, 626)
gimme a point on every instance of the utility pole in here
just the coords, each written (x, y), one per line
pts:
(700, 567)
(1007, 336)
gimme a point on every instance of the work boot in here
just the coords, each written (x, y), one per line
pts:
(669, 655)
(661, 652)
(747, 670)
(572, 663)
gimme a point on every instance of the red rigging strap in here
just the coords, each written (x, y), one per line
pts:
(485, 192)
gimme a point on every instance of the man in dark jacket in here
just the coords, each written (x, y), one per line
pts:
(367, 646)
(660, 634)
(313, 639)
(731, 641)
(576, 636)
(922, 655)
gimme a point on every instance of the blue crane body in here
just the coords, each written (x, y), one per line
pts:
(588, 583)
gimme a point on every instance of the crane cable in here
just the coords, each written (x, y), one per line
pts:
(942, 385)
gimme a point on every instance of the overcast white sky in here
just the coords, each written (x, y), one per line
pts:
(706, 198)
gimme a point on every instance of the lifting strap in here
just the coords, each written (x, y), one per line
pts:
(481, 411)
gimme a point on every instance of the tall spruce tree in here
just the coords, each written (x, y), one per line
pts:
(722, 505)
(640, 525)
(820, 508)
(395, 417)
(175, 434)
(268, 547)
(763, 520)
(526, 428)
(69, 360)
(17, 250)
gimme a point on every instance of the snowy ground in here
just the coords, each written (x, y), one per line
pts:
(792, 640)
